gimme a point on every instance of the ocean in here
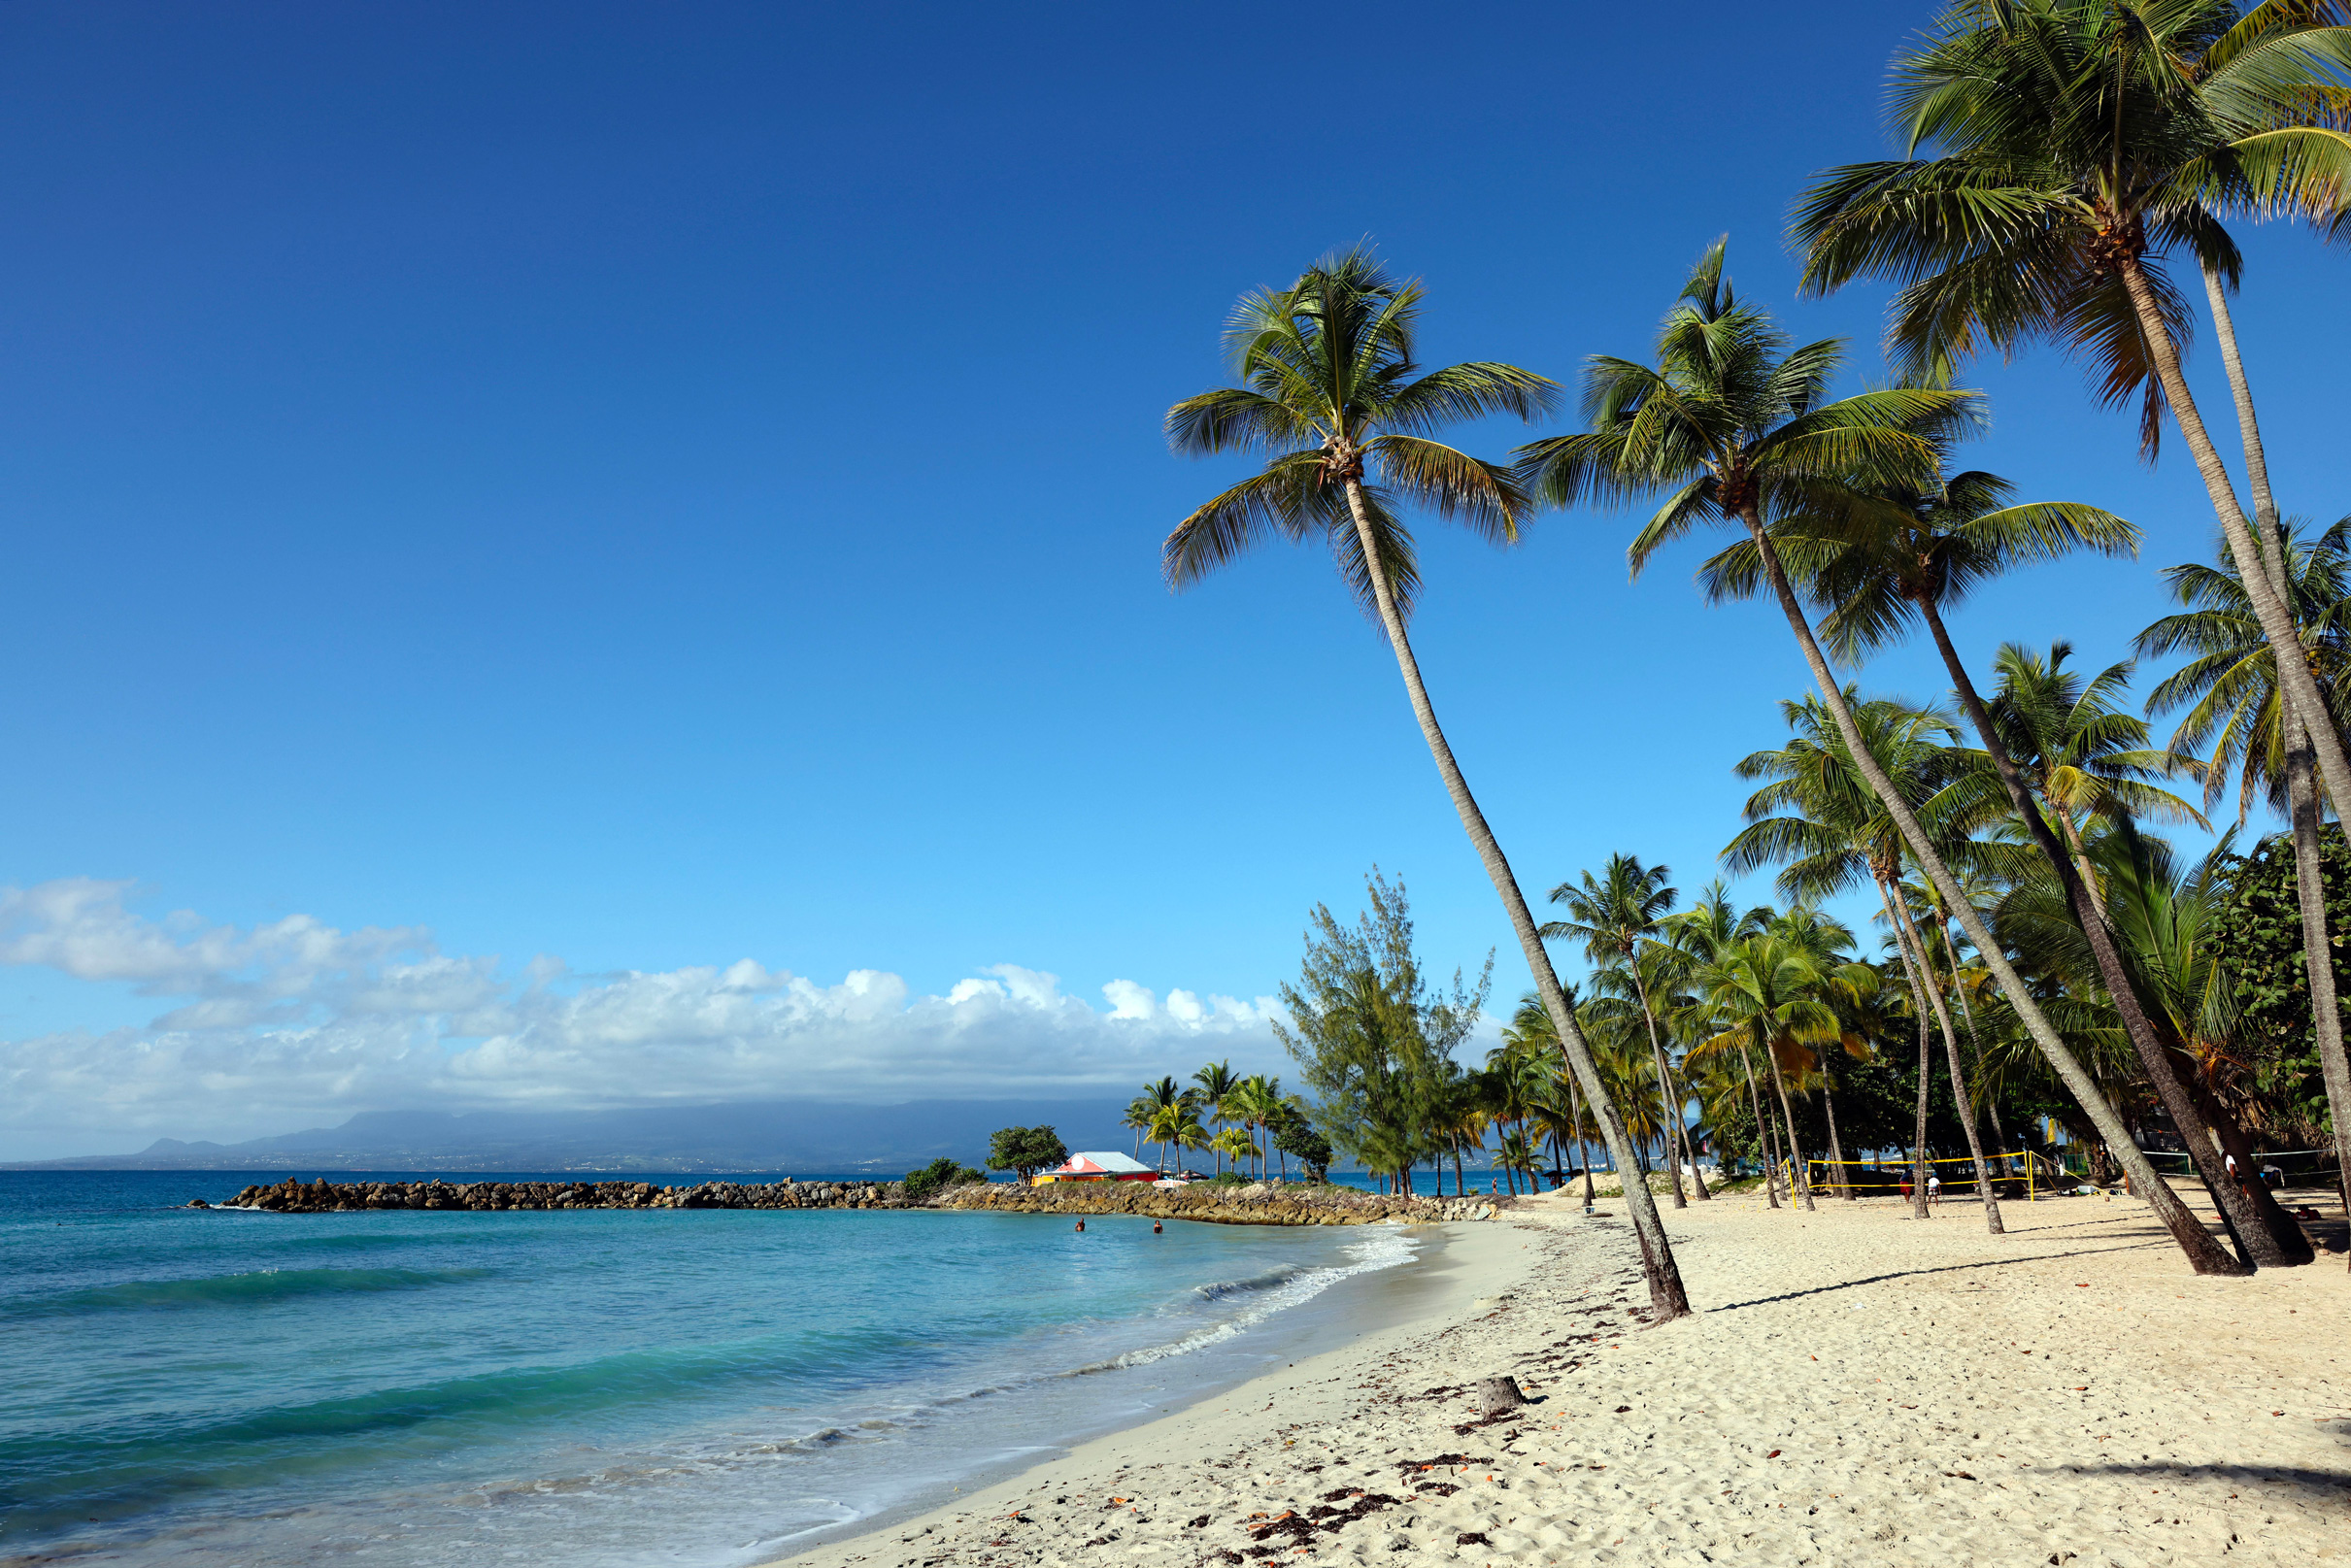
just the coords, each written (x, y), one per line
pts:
(588, 1388)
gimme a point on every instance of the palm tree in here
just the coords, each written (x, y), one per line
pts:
(2078, 753)
(1334, 396)
(2081, 140)
(1217, 1083)
(1903, 552)
(1517, 1157)
(1138, 1118)
(1256, 1101)
(2229, 684)
(2166, 924)
(1235, 1142)
(1828, 942)
(1615, 915)
(1769, 994)
(1735, 424)
(2083, 756)
(1163, 1107)
(1818, 820)
(1701, 935)
(1560, 1104)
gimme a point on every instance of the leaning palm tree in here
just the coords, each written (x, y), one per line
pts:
(1615, 915)
(2077, 144)
(1336, 397)
(1903, 552)
(1737, 425)
(2084, 758)
(2230, 688)
(1900, 552)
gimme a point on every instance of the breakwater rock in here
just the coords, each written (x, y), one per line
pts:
(1263, 1203)
(322, 1196)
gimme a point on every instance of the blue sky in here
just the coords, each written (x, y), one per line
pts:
(656, 487)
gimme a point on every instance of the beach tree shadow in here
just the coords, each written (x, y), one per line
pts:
(1947, 1268)
(2310, 1479)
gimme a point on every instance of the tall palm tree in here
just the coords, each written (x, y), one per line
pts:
(2230, 688)
(1903, 552)
(1217, 1083)
(1165, 1106)
(1737, 425)
(1336, 398)
(1816, 818)
(1769, 995)
(1703, 934)
(1615, 915)
(1138, 1118)
(2077, 752)
(1256, 1101)
(2077, 144)
(2083, 757)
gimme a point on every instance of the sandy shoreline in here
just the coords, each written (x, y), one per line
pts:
(1858, 1387)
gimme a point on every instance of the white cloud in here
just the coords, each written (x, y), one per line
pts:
(296, 1022)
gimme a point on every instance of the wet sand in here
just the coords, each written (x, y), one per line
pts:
(1858, 1387)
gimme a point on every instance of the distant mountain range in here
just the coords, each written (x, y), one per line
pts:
(782, 1136)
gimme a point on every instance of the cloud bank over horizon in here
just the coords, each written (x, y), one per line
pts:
(278, 1025)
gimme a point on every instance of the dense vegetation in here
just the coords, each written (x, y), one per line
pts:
(2040, 942)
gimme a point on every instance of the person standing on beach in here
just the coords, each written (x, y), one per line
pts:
(1934, 1191)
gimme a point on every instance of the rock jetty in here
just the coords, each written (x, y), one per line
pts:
(1263, 1203)
(1259, 1203)
(322, 1196)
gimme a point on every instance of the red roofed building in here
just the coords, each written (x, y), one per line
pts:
(1098, 1166)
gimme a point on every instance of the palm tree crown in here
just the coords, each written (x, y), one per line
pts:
(1332, 393)
(1733, 422)
(2229, 682)
(2075, 140)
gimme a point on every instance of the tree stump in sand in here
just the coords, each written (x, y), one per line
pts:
(1499, 1395)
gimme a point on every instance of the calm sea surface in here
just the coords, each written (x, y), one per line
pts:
(694, 1386)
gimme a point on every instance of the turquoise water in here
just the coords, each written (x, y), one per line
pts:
(411, 1387)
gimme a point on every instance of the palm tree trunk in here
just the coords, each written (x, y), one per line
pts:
(1667, 1298)
(1803, 1180)
(2205, 1255)
(1762, 1134)
(1583, 1155)
(2318, 949)
(1925, 1053)
(1975, 1048)
(2269, 603)
(1664, 1080)
(2269, 1214)
(1962, 1091)
(2081, 863)
(2090, 914)
(1839, 1187)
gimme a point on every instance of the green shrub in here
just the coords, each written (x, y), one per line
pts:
(937, 1177)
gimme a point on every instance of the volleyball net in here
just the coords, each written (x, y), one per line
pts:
(2035, 1170)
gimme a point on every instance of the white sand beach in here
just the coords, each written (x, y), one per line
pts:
(1858, 1387)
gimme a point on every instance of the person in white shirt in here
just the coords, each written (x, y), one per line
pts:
(1934, 1191)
